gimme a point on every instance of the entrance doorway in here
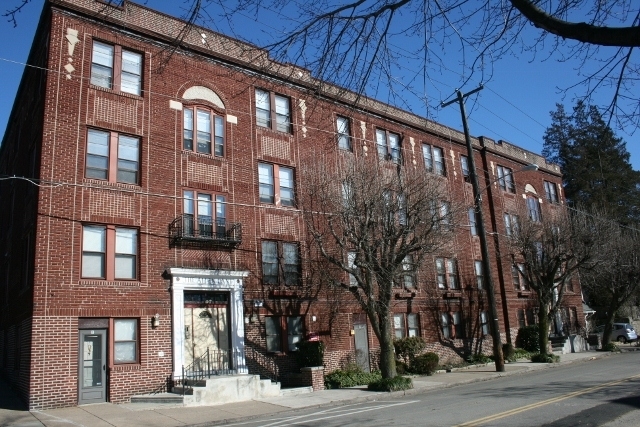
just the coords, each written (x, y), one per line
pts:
(206, 331)
(93, 366)
(361, 342)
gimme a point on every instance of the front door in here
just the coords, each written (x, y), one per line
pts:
(206, 320)
(362, 343)
(93, 366)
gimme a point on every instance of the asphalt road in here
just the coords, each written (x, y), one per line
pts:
(602, 392)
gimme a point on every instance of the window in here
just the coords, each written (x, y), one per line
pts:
(125, 341)
(102, 147)
(521, 319)
(408, 277)
(433, 159)
(473, 222)
(532, 317)
(351, 263)
(551, 192)
(511, 224)
(406, 325)
(278, 119)
(388, 144)
(445, 214)
(198, 215)
(206, 127)
(505, 179)
(344, 133)
(479, 270)
(445, 319)
(281, 194)
(447, 273)
(518, 281)
(280, 263)
(127, 65)
(464, 164)
(274, 327)
(533, 208)
(484, 323)
(109, 252)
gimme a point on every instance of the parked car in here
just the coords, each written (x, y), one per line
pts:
(621, 332)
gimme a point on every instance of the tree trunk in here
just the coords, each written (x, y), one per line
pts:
(608, 327)
(543, 329)
(387, 352)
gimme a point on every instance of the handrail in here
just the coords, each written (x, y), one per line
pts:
(189, 229)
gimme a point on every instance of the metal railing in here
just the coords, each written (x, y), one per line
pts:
(204, 231)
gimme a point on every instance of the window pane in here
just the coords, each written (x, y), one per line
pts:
(124, 352)
(219, 135)
(428, 160)
(273, 332)
(263, 108)
(438, 160)
(102, 54)
(97, 154)
(188, 202)
(265, 176)
(344, 140)
(125, 329)
(203, 131)
(294, 325)
(381, 142)
(188, 129)
(464, 162)
(131, 62)
(93, 239)
(125, 267)
(286, 186)
(394, 147)
(93, 265)
(126, 241)
(128, 156)
(282, 114)
(269, 262)
(102, 65)
(472, 222)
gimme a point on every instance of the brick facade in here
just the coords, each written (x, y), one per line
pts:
(45, 300)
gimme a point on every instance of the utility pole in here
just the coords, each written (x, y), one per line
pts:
(486, 265)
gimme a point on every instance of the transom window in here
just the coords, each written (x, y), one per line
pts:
(109, 252)
(280, 263)
(115, 68)
(206, 127)
(343, 127)
(551, 192)
(505, 179)
(388, 145)
(112, 157)
(278, 118)
(281, 194)
(433, 159)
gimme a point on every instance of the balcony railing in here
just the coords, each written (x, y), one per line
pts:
(186, 230)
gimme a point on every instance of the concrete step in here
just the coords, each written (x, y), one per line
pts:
(157, 398)
(295, 391)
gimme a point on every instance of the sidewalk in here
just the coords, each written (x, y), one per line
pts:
(164, 415)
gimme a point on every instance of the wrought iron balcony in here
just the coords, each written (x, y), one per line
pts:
(186, 230)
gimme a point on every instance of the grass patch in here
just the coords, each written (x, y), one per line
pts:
(397, 383)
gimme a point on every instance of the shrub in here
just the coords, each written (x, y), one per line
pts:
(350, 378)
(529, 338)
(613, 347)
(544, 358)
(521, 353)
(310, 353)
(425, 364)
(509, 352)
(408, 348)
(479, 359)
(401, 367)
(391, 384)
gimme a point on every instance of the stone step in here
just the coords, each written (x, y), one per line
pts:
(295, 391)
(158, 398)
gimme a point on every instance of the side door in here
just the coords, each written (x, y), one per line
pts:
(92, 378)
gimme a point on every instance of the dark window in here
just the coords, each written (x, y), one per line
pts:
(551, 192)
(277, 185)
(406, 325)
(278, 328)
(433, 159)
(484, 323)
(464, 163)
(447, 273)
(388, 145)
(511, 224)
(280, 263)
(205, 215)
(533, 208)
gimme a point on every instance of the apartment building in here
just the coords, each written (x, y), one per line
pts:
(159, 219)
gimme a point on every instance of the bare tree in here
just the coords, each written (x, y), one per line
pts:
(617, 280)
(375, 222)
(549, 253)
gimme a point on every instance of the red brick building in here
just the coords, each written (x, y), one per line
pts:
(157, 216)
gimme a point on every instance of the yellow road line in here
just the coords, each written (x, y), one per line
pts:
(494, 417)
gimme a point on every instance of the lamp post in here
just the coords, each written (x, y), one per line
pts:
(482, 234)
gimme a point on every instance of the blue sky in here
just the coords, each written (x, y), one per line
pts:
(514, 106)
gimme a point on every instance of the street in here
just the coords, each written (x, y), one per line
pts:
(594, 393)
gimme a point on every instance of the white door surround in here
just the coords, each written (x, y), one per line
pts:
(194, 279)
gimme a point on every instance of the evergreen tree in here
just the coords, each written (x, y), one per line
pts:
(594, 162)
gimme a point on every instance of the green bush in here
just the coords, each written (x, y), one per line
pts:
(613, 347)
(529, 338)
(408, 348)
(350, 378)
(425, 364)
(479, 359)
(391, 384)
(521, 353)
(401, 367)
(509, 352)
(544, 358)
(310, 353)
